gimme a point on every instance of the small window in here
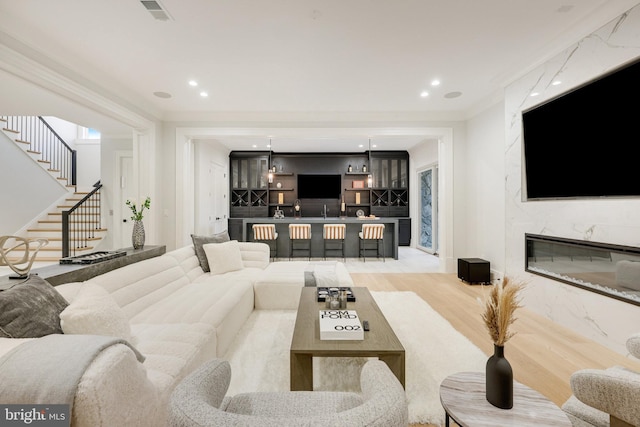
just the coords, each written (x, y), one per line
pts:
(89, 133)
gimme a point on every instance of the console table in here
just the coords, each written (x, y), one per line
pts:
(57, 274)
(351, 243)
(464, 400)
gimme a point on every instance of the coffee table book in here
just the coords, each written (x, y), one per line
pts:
(340, 325)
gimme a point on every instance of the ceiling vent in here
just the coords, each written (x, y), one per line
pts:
(156, 10)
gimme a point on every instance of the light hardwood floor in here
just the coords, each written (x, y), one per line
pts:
(543, 354)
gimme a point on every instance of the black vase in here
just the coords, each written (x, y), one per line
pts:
(499, 379)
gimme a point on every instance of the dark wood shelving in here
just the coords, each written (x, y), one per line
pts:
(384, 193)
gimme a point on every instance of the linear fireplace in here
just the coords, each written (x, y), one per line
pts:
(611, 270)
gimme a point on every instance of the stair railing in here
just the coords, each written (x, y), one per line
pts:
(43, 139)
(81, 223)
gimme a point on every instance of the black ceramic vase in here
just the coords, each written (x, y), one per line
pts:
(499, 379)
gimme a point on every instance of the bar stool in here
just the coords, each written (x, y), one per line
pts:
(299, 232)
(266, 233)
(333, 233)
(371, 232)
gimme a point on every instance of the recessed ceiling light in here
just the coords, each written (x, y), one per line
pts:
(424, 94)
(254, 146)
(556, 82)
(534, 94)
(193, 83)
(204, 94)
(163, 95)
(452, 95)
(435, 82)
(268, 145)
(374, 145)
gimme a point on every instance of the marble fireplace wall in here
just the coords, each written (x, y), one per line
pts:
(617, 221)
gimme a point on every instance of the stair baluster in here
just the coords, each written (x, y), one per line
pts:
(81, 222)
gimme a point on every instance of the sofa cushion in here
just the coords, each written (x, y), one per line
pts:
(30, 309)
(141, 285)
(280, 285)
(93, 311)
(224, 257)
(200, 241)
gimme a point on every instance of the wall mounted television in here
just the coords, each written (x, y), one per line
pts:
(313, 186)
(582, 143)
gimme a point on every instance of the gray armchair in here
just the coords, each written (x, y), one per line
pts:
(609, 397)
(199, 400)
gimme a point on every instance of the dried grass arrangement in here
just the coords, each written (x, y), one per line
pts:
(500, 309)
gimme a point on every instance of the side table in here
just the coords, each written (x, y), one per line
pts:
(463, 398)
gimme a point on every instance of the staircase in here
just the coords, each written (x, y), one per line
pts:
(36, 138)
(85, 230)
(50, 228)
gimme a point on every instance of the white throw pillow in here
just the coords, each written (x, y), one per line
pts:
(223, 257)
(94, 312)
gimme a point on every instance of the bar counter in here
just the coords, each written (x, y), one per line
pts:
(351, 243)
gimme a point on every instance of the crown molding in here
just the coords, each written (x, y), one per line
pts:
(32, 66)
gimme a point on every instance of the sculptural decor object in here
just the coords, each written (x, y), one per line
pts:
(8, 257)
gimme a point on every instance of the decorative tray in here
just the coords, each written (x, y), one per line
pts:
(324, 291)
(92, 258)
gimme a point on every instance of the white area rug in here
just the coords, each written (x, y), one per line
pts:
(259, 356)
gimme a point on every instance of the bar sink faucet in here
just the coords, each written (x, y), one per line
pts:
(324, 211)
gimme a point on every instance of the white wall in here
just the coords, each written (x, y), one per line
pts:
(26, 190)
(484, 203)
(603, 319)
(66, 130)
(88, 159)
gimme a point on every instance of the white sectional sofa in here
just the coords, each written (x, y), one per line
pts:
(176, 316)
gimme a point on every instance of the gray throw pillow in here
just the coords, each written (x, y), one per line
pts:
(199, 241)
(31, 309)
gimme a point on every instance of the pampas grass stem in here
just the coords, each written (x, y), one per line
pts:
(499, 313)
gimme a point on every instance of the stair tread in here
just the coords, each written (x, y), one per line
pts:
(49, 230)
(59, 239)
(59, 221)
(84, 213)
(86, 248)
(10, 130)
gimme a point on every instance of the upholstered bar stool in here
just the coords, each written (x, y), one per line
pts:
(299, 233)
(333, 233)
(371, 232)
(266, 233)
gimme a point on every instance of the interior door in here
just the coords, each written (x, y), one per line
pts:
(211, 199)
(219, 221)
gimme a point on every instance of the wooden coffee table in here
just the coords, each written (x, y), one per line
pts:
(380, 341)
(463, 398)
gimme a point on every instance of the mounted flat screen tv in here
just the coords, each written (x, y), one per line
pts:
(319, 186)
(583, 143)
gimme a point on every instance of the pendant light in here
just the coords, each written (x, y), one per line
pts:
(270, 175)
(369, 177)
